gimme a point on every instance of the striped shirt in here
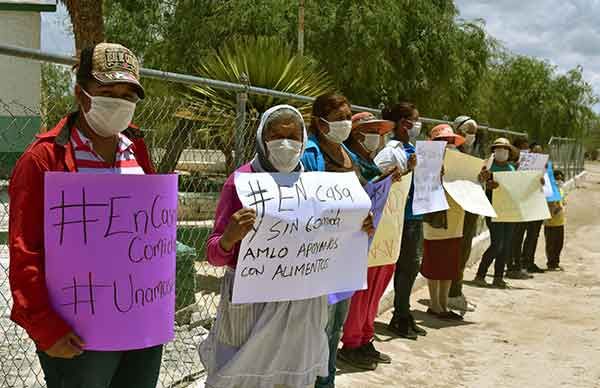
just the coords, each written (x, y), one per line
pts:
(88, 160)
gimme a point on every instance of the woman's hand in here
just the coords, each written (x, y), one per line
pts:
(68, 347)
(491, 184)
(239, 226)
(412, 162)
(368, 225)
(543, 181)
(484, 175)
(397, 175)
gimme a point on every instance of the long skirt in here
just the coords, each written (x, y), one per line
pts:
(441, 259)
(262, 345)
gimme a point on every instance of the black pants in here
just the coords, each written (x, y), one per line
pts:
(555, 239)
(501, 234)
(469, 230)
(134, 368)
(523, 252)
(407, 267)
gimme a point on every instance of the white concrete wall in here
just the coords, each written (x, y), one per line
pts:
(20, 78)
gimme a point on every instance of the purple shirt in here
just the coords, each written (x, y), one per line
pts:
(229, 203)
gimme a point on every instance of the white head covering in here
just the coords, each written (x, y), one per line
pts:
(462, 123)
(261, 162)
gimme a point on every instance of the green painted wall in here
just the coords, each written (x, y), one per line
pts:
(39, 6)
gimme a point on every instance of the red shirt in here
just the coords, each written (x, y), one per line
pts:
(52, 151)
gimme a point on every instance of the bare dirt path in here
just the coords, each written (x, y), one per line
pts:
(544, 332)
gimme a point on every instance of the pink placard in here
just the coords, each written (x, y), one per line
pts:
(110, 245)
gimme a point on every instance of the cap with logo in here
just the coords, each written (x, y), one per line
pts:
(113, 63)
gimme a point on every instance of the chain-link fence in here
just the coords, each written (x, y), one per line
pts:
(199, 143)
(567, 155)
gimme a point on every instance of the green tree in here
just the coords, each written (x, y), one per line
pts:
(57, 93)
(375, 51)
(266, 62)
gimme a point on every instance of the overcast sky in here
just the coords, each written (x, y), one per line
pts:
(565, 32)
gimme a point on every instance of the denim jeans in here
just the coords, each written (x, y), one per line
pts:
(407, 267)
(337, 316)
(501, 234)
(134, 368)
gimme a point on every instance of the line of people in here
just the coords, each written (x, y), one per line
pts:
(277, 344)
(242, 349)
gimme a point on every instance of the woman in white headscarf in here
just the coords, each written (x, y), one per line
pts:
(262, 345)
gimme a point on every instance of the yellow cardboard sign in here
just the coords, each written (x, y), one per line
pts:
(461, 167)
(520, 197)
(385, 247)
(462, 184)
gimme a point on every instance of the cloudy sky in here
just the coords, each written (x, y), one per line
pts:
(565, 32)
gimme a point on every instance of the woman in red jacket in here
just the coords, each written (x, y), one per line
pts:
(85, 141)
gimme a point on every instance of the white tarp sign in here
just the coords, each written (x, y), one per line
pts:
(429, 196)
(461, 182)
(529, 161)
(307, 240)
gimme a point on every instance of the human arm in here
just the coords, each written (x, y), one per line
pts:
(220, 253)
(31, 302)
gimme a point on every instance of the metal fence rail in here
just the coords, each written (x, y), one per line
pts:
(567, 155)
(203, 143)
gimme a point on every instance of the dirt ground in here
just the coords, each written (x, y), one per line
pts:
(543, 332)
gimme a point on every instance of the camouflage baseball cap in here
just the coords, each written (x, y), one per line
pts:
(113, 63)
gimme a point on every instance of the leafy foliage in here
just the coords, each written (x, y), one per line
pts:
(267, 63)
(376, 51)
(57, 97)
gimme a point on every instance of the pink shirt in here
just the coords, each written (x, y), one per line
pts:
(229, 203)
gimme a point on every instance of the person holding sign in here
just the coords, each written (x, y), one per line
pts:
(500, 232)
(262, 344)
(97, 139)
(466, 127)
(443, 240)
(366, 139)
(330, 126)
(406, 117)
(526, 234)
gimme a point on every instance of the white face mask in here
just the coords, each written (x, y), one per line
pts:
(338, 130)
(470, 139)
(415, 131)
(284, 154)
(108, 116)
(371, 141)
(501, 154)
